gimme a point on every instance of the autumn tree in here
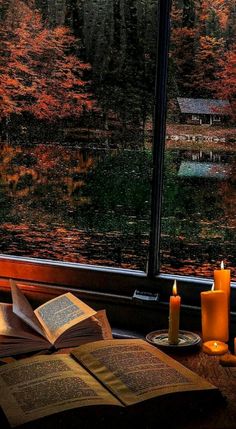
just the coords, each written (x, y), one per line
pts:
(201, 35)
(214, 60)
(225, 86)
(214, 11)
(39, 69)
(207, 59)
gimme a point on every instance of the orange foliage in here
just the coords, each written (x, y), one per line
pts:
(48, 164)
(227, 75)
(227, 78)
(37, 73)
(200, 50)
(208, 56)
(220, 7)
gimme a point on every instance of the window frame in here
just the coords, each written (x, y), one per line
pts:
(118, 283)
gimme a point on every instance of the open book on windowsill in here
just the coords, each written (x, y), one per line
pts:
(65, 321)
(127, 379)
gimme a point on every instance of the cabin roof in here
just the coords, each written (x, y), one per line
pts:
(206, 106)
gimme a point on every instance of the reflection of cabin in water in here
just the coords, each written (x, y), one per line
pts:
(204, 170)
(198, 111)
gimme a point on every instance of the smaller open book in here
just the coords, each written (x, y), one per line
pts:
(102, 381)
(65, 321)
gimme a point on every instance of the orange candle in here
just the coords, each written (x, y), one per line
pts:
(215, 322)
(215, 348)
(222, 280)
(174, 312)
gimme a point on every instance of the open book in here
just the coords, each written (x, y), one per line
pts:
(106, 375)
(64, 321)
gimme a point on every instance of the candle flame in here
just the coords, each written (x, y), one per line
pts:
(215, 344)
(222, 265)
(174, 290)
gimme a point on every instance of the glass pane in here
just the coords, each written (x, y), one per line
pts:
(198, 216)
(77, 85)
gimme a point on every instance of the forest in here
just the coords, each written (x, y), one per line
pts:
(76, 119)
(63, 59)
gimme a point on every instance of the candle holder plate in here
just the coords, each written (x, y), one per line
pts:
(187, 340)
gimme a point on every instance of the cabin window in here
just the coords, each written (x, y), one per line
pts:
(216, 118)
(89, 187)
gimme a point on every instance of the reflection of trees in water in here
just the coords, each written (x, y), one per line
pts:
(43, 178)
(65, 203)
(118, 190)
(228, 198)
(198, 220)
(105, 191)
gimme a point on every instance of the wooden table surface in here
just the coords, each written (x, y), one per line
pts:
(224, 378)
(220, 417)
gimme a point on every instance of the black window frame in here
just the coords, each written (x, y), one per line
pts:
(104, 282)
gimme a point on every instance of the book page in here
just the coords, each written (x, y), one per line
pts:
(23, 309)
(15, 335)
(12, 326)
(92, 329)
(105, 325)
(59, 314)
(134, 371)
(44, 385)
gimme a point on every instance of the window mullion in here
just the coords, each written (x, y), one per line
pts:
(159, 124)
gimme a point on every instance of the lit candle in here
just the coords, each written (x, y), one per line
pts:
(215, 322)
(222, 280)
(174, 311)
(215, 347)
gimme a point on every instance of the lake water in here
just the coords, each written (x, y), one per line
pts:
(66, 203)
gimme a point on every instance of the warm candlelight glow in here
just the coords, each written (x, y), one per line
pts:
(222, 265)
(215, 348)
(174, 290)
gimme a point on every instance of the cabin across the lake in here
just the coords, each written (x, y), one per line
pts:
(200, 111)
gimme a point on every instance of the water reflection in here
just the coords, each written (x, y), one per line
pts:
(89, 206)
(198, 216)
(74, 204)
(204, 170)
(207, 156)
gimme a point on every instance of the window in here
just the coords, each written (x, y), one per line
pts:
(216, 118)
(77, 121)
(78, 181)
(198, 219)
